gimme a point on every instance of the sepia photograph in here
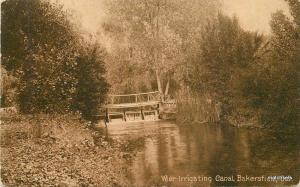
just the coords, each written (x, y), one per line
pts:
(149, 93)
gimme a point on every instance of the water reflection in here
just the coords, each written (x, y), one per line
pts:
(205, 151)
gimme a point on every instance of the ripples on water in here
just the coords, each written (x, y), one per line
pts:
(205, 151)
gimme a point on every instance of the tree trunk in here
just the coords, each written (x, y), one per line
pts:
(159, 84)
(167, 88)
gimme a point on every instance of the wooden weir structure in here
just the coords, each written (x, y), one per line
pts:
(136, 106)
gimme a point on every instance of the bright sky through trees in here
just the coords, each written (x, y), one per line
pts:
(253, 14)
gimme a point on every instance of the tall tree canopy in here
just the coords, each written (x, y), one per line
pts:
(276, 92)
(39, 47)
(255, 77)
(226, 50)
(153, 39)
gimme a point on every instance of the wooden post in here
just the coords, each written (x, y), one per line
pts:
(106, 115)
(136, 98)
(142, 114)
(124, 114)
(105, 123)
(158, 111)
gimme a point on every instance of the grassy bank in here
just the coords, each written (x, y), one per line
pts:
(196, 109)
(200, 108)
(59, 151)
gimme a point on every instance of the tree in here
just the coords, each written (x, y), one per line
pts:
(34, 51)
(226, 51)
(154, 37)
(48, 57)
(92, 87)
(277, 90)
(271, 87)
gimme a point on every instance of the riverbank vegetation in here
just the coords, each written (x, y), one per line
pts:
(253, 76)
(189, 51)
(52, 83)
(250, 77)
(64, 152)
(55, 69)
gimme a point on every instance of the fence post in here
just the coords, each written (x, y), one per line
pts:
(142, 114)
(124, 114)
(158, 111)
(107, 115)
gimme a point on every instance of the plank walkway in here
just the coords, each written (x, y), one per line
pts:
(132, 105)
(133, 100)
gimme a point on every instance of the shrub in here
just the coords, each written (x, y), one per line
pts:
(92, 87)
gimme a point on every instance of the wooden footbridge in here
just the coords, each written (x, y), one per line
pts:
(134, 106)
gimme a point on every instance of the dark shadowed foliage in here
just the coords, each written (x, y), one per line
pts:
(92, 86)
(46, 54)
(273, 87)
(226, 51)
(254, 77)
(34, 50)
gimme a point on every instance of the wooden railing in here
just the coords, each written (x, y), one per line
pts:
(170, 103)
(133, 98)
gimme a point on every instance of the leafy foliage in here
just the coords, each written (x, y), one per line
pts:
(226, 51)
(35, 52)
(8, 88)
(274, 87)
(67, 153)
(42, 49)
(254, 77)
(91, 87)
(152, 41)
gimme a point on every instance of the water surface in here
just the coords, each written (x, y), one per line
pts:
(206, 155)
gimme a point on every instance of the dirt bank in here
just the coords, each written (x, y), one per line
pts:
(60, 151)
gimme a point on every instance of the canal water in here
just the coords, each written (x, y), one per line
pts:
(207, 155)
